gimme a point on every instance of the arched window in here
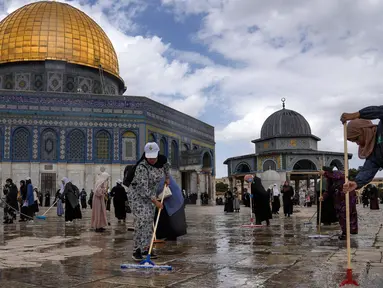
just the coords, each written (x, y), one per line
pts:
(185, 147)
(269, 165)
(129, 146)
(206, 161)
(1, 145)
(103, 146)
(20, 145)
(48, 145)
(76, 146)
(163, 148)
(151, 138)
(174, 154)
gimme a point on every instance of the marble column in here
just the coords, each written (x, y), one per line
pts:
(297, 186)
(198, 202)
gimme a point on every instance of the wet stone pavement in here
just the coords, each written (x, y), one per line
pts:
(217, 252)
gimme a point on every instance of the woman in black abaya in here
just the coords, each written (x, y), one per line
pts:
(119, 199)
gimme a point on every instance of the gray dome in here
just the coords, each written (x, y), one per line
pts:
(285, 123)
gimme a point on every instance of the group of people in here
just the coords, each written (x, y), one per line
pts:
(24, 201)
(287, 192)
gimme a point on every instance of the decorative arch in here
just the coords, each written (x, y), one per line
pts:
(242, 167)
(129, 146)
(21, 140)
(185, 147)
(174, 157)
(164, 146)
(103, 146)
(76, 146)
(207, 161)
(338, 164)
(269, 164)
(1, 145)
(305, 164)
(48, 145)
(152, 138)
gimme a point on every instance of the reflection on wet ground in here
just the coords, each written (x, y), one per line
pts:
(217, 252)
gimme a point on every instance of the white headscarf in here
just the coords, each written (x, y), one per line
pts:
(276, 190)
(65, 180)
(62, 188)
(102, 178)
(119, 181)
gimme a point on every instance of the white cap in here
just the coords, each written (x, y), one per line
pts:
(28, 178)
(151, 150)
(119, 181)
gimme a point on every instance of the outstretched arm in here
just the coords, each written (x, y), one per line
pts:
(367, 173)
(371, 113)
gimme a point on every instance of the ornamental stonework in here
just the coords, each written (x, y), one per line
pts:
(89, 144)
(62, 144)
(7, 142)
(35, 143)
(116, 145)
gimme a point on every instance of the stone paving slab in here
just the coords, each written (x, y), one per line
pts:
(217, 252)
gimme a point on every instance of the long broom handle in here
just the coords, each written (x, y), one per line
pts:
(347, 196)
(50, 207)
(320, 201)
(17, 211)
(155, 227)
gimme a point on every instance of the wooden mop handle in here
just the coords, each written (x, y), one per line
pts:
(51, 207)
(157, 220)
(320, 202)
(347, 196)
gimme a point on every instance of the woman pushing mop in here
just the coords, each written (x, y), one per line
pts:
(369, 138)
(151, 169)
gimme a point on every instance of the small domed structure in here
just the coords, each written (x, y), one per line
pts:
(285, 123)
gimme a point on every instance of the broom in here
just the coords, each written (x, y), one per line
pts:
(349, 280)
(147, 263)
(43, 217)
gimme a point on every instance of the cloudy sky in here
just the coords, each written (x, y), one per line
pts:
(229, 62)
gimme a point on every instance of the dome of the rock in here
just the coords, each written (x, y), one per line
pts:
(49, 30)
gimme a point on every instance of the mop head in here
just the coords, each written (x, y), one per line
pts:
(41, 217)
(252, 226)
(146, 264)
(320, 236)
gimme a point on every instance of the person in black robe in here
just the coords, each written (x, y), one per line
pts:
(261, 202)
(91, 198)
(83, 195)
(229, 207)
(47, 199)
(373, 193)
(72, 205)
(288, 195)
(24, 208)
(119, 201)
(328, 214)
(12, 206)
(274, 195)
(41, 198)
(365, 198)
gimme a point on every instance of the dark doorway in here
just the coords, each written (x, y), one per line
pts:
(48, 183)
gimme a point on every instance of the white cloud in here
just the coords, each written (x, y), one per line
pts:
(340, 70)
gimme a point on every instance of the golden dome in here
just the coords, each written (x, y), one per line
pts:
(55, 31)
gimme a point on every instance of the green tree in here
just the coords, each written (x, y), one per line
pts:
(221, 187)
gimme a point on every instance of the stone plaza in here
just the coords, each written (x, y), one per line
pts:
(216, 252)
